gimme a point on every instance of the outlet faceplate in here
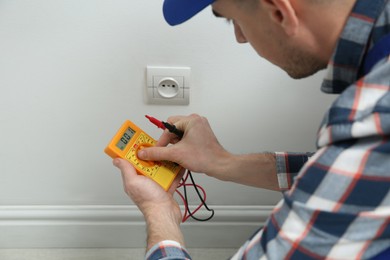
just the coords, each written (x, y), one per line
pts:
(168, 85)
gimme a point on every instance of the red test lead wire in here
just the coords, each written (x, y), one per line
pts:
(156, 122)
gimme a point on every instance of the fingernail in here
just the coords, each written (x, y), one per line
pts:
(116, 162)
(141, 154)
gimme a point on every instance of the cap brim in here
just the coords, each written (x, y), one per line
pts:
(178, 11)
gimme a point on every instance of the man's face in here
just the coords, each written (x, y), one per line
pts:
(255, 25)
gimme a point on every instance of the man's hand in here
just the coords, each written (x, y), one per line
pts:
(198, 150)
(161, 211)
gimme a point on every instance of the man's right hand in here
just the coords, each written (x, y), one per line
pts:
(198, 150)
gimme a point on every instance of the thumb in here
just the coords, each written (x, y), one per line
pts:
(155, 153)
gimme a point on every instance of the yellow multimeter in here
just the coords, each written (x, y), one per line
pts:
(128, 141)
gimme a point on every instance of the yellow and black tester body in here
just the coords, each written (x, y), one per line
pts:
(128, 141)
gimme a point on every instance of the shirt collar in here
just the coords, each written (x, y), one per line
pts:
(345, 64)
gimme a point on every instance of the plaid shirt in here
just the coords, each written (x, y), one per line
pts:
(338, 201)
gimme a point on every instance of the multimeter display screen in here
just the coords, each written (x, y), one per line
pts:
(125, 138)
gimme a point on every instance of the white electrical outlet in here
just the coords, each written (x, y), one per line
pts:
(168, 85)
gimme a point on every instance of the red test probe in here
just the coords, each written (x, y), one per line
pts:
(156, 122)
(164, 125)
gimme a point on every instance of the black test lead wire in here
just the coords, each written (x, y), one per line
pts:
(191, 214)
(172, 128)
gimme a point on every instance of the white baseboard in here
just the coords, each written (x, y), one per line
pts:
(118, 226)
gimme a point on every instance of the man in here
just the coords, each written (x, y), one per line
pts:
(338, 204)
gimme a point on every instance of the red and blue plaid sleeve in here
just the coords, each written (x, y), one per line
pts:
(167, 250)
(287, 167)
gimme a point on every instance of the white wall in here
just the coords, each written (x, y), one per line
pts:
(72, 71)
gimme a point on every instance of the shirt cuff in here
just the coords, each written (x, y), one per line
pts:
(288, 166)
(167, 249)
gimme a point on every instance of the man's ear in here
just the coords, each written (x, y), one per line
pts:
(283, 13)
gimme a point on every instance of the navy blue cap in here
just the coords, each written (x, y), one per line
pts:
(178, 11)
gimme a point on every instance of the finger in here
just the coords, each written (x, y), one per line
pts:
(179, 121)
(156, 154)
(175, 183)
(183, 122)
(127, 170)
(166, 138)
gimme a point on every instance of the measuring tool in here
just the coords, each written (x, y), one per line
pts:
(128, 141)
